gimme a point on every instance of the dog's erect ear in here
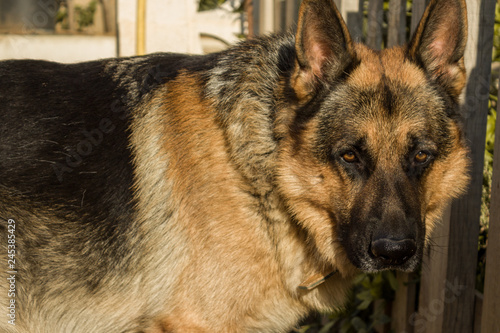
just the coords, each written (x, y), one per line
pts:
(323, 45)
(439, 43)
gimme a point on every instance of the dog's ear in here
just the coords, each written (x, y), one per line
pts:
(323, 46)
(439, 43)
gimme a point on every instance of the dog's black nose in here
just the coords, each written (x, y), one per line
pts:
(393, 251)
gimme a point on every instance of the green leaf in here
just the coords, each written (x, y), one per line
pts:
(365, 295)
(346, 326)
(364, 305)
(327, 327)
(376, 291)
(378, 278)
(393, 281)
(303, 329)
(358, 324)
(360, 278)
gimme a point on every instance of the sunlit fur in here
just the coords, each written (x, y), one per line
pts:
(175, 193)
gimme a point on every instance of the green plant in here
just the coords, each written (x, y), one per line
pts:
(209, 4)
(85, 15)
(488, 154)
(62, 17)
(365, 310)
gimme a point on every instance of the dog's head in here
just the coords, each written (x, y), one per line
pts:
(374, 151)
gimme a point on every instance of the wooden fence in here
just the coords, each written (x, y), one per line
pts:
(446, 297)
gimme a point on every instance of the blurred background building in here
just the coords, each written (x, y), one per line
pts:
(79, 30)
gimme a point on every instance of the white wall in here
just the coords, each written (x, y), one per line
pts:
(221, 23)
(61, 48)
(127, 17)
(170, 26)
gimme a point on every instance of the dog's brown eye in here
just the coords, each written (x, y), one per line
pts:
(349, 157)
(421, 157)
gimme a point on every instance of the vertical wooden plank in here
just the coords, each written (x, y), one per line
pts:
(292, 11)
(417, 10)
(490, 321)
(382, 306)
(403, 307)
(71, 15)
(249, 8)
(140, 45)
(256, 17)
(464, 227)
(433, 281)
(397, 23)
(279, 15)
(117, 30)
(478, 311)
(109, 16)
(265, 16)
(375, 20)
(352, 12)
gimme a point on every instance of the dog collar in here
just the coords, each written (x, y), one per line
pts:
(315, 280)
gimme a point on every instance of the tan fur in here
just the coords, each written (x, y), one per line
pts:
(222, 225)
(314, 190)
(239, 188)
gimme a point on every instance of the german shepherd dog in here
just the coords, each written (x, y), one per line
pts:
(230, 192)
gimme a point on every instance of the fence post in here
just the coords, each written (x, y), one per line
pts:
(403, 306)
(263, 16)
(279, 15)
(292, 13)
(352, 12)
(375, 20)
(396, 34)
(417, 10)
(490, 321)
(249, 9)
(464, 224)
(432, 282)
(447, 291)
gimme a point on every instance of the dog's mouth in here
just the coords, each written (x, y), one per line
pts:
(381, 254)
